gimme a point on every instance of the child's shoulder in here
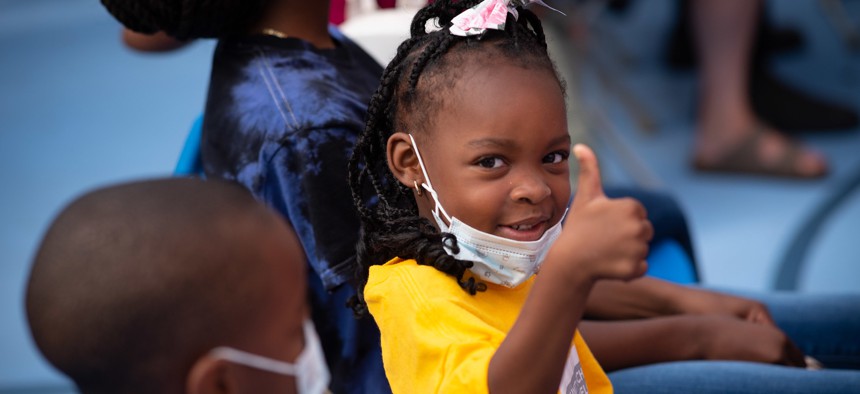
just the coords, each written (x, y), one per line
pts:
(406, 275)
(403, 268)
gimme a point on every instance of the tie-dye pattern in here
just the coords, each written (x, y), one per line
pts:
(281, 119)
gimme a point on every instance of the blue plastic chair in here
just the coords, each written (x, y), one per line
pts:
(667, 260)
(189, 163)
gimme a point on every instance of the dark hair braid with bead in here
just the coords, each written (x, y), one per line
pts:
(409, 97)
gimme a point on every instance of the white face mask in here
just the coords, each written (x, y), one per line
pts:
(310, 370)
(497, 260)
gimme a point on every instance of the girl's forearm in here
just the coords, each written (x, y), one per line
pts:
(532, 357)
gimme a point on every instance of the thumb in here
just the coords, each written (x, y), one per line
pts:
(589, 185)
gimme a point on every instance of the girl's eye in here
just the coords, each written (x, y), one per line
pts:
(491, 162)
(555, 157)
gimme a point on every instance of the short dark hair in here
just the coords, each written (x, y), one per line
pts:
(132, 283)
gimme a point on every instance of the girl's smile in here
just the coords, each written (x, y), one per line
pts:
(525, 230)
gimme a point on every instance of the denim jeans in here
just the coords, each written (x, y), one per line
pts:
(826, 327)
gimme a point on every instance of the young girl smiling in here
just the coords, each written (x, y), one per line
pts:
(461, 180)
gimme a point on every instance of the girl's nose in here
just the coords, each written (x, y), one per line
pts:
(531, 189)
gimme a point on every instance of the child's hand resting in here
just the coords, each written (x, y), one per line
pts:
(603, 238)
(699, 301)
(729, 338)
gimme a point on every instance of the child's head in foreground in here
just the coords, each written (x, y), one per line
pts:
(172, 286)
(487, 115)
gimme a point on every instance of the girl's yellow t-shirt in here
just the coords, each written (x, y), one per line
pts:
(436, 338)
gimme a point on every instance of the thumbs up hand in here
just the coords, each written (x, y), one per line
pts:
(602, 237)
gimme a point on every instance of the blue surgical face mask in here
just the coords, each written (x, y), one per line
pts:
(310, 370)
(496, 259)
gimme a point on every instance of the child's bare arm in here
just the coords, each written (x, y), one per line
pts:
(628, 343)
(650, 297)
(602, 239)
(158, 42)
(639, 298)
(680, 323)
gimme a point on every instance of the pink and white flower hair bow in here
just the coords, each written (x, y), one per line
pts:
(488, 14)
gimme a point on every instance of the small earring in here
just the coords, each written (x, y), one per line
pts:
(417, 188)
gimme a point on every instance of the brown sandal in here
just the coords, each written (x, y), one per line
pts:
(744, 159)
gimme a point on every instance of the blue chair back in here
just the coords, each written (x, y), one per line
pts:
(667, 260)
(189, 163)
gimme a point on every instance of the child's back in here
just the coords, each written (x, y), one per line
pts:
(281, 118)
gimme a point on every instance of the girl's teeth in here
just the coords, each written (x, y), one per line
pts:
(523, 227)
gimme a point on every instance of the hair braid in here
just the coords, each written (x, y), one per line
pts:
(433, 51)
(536, 27)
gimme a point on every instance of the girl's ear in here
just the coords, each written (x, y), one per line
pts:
(402, 160)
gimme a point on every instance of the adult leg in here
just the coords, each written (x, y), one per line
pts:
(728, 133)
(707, 377)
(826, 327)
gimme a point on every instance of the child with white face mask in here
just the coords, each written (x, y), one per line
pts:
(461, 179)
(495, 259)
(174, 286)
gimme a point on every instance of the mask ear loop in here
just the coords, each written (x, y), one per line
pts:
(268, 364)
(252, 360)
(427, 185)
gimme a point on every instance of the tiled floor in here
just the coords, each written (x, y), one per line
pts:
(78, 110)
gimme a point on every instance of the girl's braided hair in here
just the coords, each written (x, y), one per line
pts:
(410, 95)
(187, 19)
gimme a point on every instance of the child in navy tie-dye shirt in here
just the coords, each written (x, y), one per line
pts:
(287, 99)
